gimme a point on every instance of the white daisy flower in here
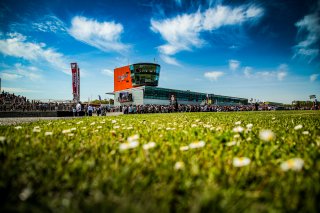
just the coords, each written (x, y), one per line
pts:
(93, 123)
(2, 138)
(184, 148)
(18, 127)
(295, 164)
(231, 143)
(149, 145)
(249, 126)
(25, 194)
(116, 127)
(194, 125)
(236, 136)
(130, 127)
(83, 127)
(273, 118)
(99, 127)
(240, 162)
(196, 145)
(238, 129)
(79, 122)
(237, 123)
(218, 128)
(305, 132)
(102, 122)
(36, 130)
(73, 129)
(70, 134)
(267, 135)
(133, 138)
(298, 127)
(128, 145)
(179, 165)
(48, 133)
(66, 131)
(113, 121)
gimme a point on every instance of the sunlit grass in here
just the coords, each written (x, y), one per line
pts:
(186, 162)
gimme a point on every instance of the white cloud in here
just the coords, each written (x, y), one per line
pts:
(314, 77)
(234, 65)
(17, 89)
(214, 75)
(280, 73)
(169, 60)
(20, 71)
(16, 45)
(9, 76)
(102, 35)
(49, 23)
(247, 72)
(309, 31)
(107, 72)
(182, 33)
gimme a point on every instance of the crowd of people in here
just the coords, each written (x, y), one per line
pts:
(141, 109)
(12, 102)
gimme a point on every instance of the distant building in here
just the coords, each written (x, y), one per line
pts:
(137, 84)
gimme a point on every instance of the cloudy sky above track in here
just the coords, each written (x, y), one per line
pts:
(266, 50)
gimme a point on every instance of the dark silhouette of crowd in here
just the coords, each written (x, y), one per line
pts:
(12, 102)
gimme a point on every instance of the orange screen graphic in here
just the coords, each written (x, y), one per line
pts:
(122, 78)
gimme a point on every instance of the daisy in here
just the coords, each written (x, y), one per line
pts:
(36, 130)
(113, 121)
(240, 162)
(149, 145)
(70, 134)
(305, 132)
(184, 148)
(2, 138)
(25, 194)
(73, 129)
(194, 125)
(66, 131)
(237, 123)
(116, 127)
(267, 135)
(238, 129)
(18, 127)
(179, 165)
(93, 123)
(99, 127)
(295, 164)
(133, 138)
(249, 126)
(298, 127)
(196, 145)
(231, 143)
(128, 145)
(48, 133)
(236, 136)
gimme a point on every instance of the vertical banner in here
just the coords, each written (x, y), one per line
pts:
(74, 70)
(78, 84)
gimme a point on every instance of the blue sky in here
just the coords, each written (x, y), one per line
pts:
(266, 50)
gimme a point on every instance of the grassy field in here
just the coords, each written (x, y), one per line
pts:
(187, 162)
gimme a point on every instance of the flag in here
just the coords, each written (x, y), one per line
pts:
(99, 98)
(312, 96)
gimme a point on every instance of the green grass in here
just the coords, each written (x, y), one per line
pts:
(88, 172)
